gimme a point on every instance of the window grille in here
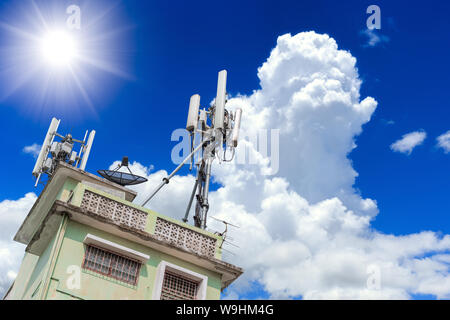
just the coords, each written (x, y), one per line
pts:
(111, 265)
(176, 287)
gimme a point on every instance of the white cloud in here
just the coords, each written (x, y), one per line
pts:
(168, 201)
(12, 214)
(409, 141)
(374, 38)
(306, 231)
(444, 141)
(34, 150)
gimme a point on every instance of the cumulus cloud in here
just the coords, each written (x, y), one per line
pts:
(34, 150)
(171, 200)
(409, 141)
(12, 214)
(374, 38)
(306, 232)
(444, 141)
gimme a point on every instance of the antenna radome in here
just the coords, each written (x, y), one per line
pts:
(237, 127)
(87, 150)
(45, 146)
(192, 120)
(219, 113)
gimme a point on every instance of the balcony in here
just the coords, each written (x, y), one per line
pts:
(119, 213)
(122, 212)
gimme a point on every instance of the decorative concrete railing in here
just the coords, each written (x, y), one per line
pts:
(185, 238)
(171, 232)
(116, 211)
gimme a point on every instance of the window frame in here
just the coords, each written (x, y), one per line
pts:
(110, 274)
(201, 279)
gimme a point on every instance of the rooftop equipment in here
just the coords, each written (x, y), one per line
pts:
(219, 134)
(52, 152)
(120, 177)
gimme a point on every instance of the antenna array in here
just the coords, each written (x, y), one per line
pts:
(52, 152)
(219, 134)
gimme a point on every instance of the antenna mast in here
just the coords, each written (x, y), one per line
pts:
(219, 134)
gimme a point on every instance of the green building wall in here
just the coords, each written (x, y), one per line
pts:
(95, 286)
(46, 276)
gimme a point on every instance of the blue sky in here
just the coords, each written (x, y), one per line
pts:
(171, 50)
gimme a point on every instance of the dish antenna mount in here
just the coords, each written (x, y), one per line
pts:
(52, 152)
(122, 178)
(217, 130)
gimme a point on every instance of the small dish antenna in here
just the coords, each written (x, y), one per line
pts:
(122, 178)
(218, 129)
(52, 152)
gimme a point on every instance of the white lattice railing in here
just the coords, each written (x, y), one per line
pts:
(116, 211)
(137, 219)
(185, 238)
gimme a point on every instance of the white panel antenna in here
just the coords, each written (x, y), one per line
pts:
(237, 127)
(87, 150)
(45, 147)
(222, 126)
(41, 162)
(219, 113)
(192, 120)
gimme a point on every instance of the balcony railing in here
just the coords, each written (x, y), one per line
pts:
(171, 232)
(185, 238)
(113, 210)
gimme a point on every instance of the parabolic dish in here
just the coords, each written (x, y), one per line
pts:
(122, 178)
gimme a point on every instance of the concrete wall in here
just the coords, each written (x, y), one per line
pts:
(29, 262)
(46, 277)
(37, 278)
(96, 286)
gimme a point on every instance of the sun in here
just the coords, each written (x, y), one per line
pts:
(62, 65)
(58, 49)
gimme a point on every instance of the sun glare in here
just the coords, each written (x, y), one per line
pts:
(58, 49)
(59, 58)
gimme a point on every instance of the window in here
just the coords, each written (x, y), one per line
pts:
(176, 287)
(173, 282)
(111, 265)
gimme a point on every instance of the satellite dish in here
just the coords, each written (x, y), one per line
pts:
(122, 178)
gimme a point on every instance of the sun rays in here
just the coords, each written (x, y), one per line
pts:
(49, 65)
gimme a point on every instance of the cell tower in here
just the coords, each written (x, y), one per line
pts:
(217, 136)
(52, 152)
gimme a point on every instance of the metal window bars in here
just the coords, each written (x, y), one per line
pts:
(111, 265)
(176, 287)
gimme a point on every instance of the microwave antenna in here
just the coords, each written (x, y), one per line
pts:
(218, 132)
(52, 152)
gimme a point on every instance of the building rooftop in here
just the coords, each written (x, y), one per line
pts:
(102, 204)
